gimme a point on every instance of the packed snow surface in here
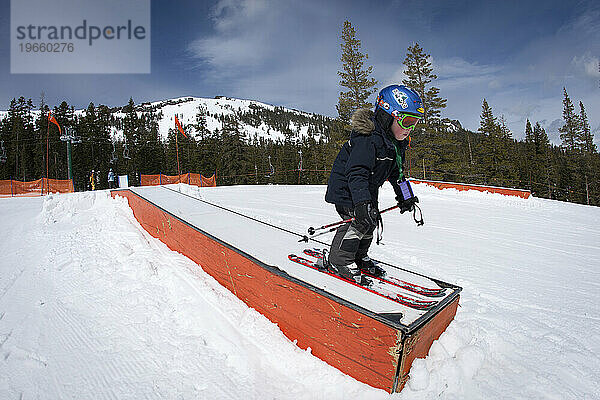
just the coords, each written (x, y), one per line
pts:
(92, 307)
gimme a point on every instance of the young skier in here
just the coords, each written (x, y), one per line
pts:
(111, 179)
(374, 154)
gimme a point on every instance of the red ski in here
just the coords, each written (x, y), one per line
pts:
(412, 287)
(379, 287)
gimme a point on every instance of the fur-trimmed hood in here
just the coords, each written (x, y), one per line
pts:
(366, 160)
(362, 121)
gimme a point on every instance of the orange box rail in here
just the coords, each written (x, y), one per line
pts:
(189, 178)
(481, 188)
(373, 348)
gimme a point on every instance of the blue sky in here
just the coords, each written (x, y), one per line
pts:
(516, 54)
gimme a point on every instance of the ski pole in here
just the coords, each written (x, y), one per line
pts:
(305, 238)
(332, 226)
(311, 230)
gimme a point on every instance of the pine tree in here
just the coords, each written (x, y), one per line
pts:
(20, 141)
(41, 126)
(487, 124)
(155, 152)
(508, 173)
(527, 164)
(132, 138)
(29, 165)
(528, 132)
(12, 127)
(4, 153)
(354, 77)
(65, 116)
(87, 156)
(589, 150)
(171, 153)
(200, 125)
(493, 149)
(540, 140)
(571, 130)
(420, 74)
(543, 150)
(233, 157)
(537, 145)
(587, 137)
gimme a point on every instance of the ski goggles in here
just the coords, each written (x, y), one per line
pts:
(407, 121)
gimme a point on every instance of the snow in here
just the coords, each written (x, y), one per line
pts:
(226, 106)
(91, 306)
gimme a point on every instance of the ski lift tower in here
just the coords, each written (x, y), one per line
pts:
(70, 137)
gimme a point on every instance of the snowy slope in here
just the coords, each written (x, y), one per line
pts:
(187, 109)
(92, 307)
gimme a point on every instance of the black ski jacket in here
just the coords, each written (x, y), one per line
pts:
(365, 161)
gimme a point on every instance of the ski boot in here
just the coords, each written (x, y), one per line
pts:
(367, 266)
(350, 272)
(322, 263)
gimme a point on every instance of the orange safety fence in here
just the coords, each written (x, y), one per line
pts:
(482, 188)
(202, 181)
(40, 187)
(189, 178)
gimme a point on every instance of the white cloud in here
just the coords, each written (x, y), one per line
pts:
(229, 53)
(236, 42)
(269, 52)
(459, 67)
(456, 72)
(587, 65)
(232, 15)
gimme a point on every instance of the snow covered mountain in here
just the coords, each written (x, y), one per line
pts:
(189, 110)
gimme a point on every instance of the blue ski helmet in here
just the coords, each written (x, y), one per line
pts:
(399, 99)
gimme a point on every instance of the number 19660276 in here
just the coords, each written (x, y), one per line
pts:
(46, 47)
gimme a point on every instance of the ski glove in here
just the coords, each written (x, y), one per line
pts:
(405, 197)
(366, 216)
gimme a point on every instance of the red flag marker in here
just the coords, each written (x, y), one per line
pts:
(178, 125)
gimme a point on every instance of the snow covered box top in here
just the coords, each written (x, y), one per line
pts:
(371, 334)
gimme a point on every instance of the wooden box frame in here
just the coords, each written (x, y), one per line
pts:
(375, 349)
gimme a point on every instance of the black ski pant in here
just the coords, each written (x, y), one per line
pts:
(351, 241)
